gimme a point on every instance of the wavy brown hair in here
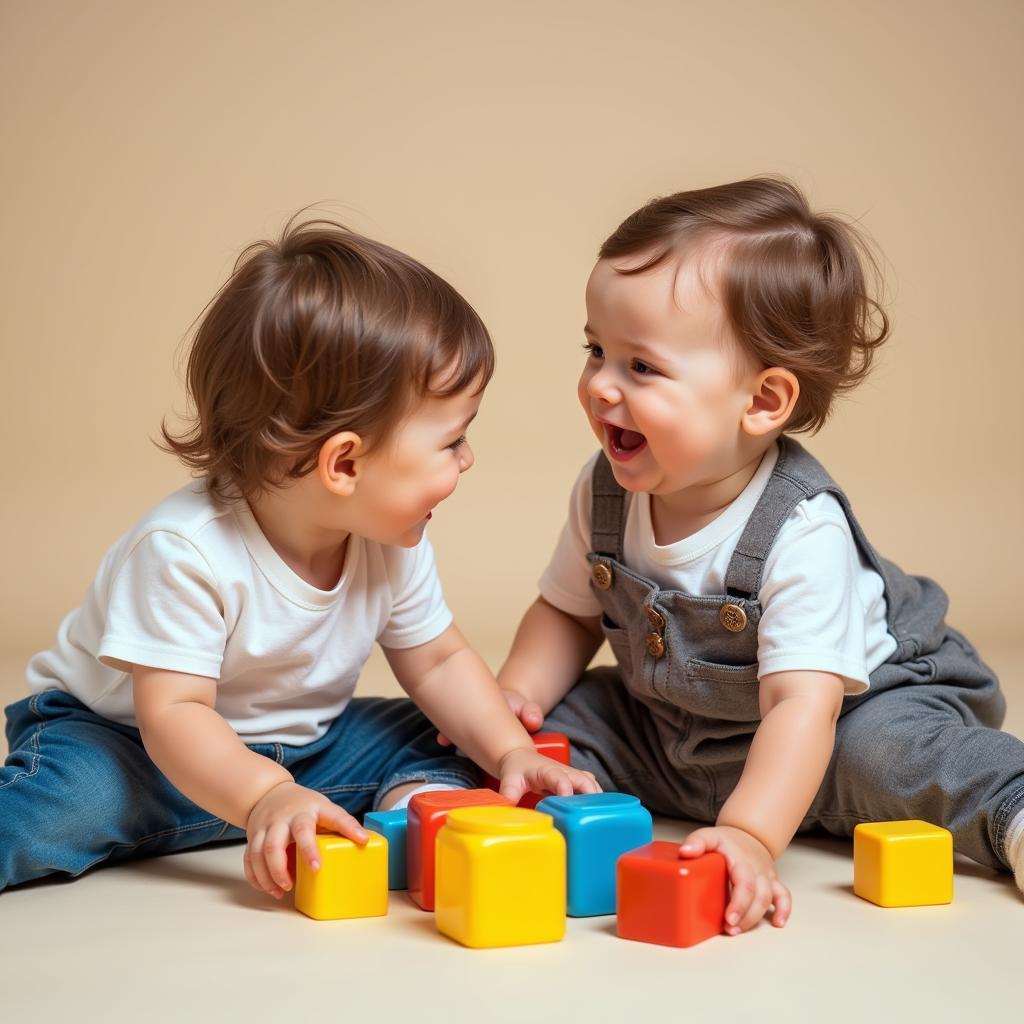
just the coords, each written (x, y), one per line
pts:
(320, 331)
(794, 283)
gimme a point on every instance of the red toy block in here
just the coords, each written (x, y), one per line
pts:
(551, 744)
(427, 813)
(671, 900)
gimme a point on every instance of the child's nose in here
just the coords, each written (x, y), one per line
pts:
(466, 457)
(603, 387)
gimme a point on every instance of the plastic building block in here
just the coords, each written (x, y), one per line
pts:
(352, 880)
(392, 826)
(671, 900)
(427, 812)
(551, 744)
(903, 863)
(500, 877)
(598, 828)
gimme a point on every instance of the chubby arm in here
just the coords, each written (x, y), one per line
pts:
(550, 651)
(195, 748)
(456, 690)
(787, 758)
(784, 768)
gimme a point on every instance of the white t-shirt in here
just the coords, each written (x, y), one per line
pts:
(196, 587)
(823, 607)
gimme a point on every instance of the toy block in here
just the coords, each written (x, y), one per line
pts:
(392, 826)
(551, 744)
(598, 828)
(352, 880)
(671, 900)
(427, 812)
(500, 877)
(903, 863)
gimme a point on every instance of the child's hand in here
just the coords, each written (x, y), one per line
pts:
(755, 884)
(286, 812)
(523, 769)
(525, 710)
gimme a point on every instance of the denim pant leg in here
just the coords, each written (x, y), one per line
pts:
(78, 789)
(375, 744)
(932, 750)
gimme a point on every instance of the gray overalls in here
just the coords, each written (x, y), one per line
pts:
(673, 722)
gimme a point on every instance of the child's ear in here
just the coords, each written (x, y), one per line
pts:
(338, 464)
(773, 398)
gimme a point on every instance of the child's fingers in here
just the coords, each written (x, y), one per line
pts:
(337, 819)
(443, 740)
(250, 875)
(259, 866)
(275, 854)
(513, 788)
(531, 716)
(783, 904)
(304, 833)
(698, 843)
(758, 905)
(584, 782)
(744, 888)
(552, 779)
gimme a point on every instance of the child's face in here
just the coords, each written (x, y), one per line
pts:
(403, 480)
(665, 385)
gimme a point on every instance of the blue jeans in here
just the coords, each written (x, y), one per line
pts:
(78, 789)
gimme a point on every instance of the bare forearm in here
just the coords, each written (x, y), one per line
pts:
(550, 651)
(784, 768)
(204, 758)
(460, 698)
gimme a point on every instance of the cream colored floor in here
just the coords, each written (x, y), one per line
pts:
(184, 938)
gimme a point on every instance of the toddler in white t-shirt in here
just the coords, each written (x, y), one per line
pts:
(774, 673)
(204, 689)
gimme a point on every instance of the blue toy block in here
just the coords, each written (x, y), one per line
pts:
(392, 826)
(598, 828)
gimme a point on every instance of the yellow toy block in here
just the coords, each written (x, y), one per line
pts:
(903, 863)
(352, 880)
(500, 877)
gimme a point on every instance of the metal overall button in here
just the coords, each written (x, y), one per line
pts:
(601, 574)
(655, 645)
(655, 618)
(733, 617)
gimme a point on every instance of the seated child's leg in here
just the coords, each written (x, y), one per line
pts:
(930, 750)
(617, 738)
(374, 746)
(78, 789)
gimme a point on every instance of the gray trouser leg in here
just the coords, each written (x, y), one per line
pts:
(919, 752)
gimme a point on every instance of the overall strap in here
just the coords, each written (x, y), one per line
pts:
(797, 475)
(607, 511)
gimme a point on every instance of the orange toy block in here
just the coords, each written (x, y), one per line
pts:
(671, 900)
(427, 813)
(551, 744)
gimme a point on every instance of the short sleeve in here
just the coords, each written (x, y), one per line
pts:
(812, 616)
(164, 610)
(418, 611)
(565, 583)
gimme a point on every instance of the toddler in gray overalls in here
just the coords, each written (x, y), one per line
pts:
(679, 721)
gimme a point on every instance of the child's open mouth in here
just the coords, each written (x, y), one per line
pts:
(624, 444)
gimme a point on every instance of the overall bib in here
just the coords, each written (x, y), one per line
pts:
(673, 722)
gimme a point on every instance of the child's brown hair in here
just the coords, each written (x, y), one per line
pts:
(792, 281)
(320, 331)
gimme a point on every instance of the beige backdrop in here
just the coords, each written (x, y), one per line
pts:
(146, 144)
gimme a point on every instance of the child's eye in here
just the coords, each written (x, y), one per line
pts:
(594, 350)
(642, 368)
(457, 443)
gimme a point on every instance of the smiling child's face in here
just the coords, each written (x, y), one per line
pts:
(665, 384)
